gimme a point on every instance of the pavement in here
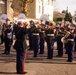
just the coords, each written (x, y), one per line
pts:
(39, 65)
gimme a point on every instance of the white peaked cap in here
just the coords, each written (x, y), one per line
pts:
(21, 18)
(44, 17)
(3, 18)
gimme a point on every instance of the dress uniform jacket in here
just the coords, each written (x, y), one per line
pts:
(70, 47)
(49, 36)
(20, 43)
(59, 43)
(20, 46)
(8, 39)
(42, 39)
(30, 37)
(50, 42)
(36, 39)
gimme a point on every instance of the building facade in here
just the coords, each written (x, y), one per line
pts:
(36, 8)
(5, 8)
(39, 7)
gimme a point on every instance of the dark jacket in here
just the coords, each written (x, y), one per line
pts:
(49, 36)
(20, 43)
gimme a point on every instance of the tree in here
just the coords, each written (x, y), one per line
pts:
(20, 6)
(64, 11)
(68, 17)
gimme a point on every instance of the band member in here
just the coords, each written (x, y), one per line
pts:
(8, 35)
(0, 31)
(75, 39)
(2, 35)
(32, 25)
(42, 39)
(36, 39)
(70, 45)
(50, 40)
(20, 46)
(59, 42)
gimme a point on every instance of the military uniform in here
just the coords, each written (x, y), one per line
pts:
(30, 37)
(59, 43)
(20, 46)
(8, 39)
(36, 39)
(50, 42)
(42, 39)
(75, 40)
(70, 47)
(2, 35)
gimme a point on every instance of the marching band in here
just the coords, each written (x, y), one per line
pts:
(38, 34)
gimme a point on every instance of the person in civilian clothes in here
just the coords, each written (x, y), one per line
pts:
(20, 46)
(70, 45)
(8, 35)
(49, 32)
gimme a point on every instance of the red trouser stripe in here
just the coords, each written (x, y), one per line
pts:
(24, 61)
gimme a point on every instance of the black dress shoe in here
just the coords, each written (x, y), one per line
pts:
(69, 60)
(34, 56)
(4, 53)
(21, 72)
(58, 55)
(48, 58)
(8, 53)
(41, 53)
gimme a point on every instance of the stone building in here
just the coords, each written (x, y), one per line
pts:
(5, 8)
(36, 8)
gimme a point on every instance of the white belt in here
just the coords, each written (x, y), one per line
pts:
(35, 33)
(60, 35)
(70, 39)
(43, 31)
(50, 34)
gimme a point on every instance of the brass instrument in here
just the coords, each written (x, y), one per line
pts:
(65, 38)
(74, 20)
(51, 25)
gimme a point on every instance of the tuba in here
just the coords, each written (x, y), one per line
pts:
(65, 38)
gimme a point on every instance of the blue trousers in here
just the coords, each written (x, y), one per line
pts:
(60, 48)
(70, 50)
(35, 46)
(20, 61)
(50, 50)
(41, 46)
